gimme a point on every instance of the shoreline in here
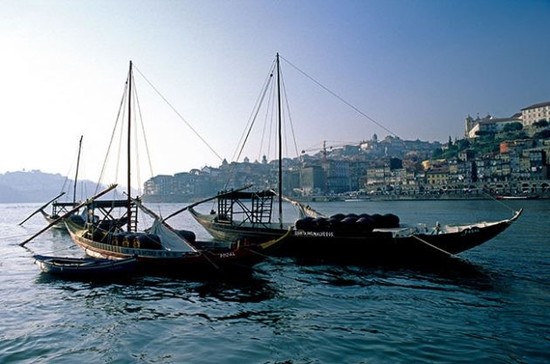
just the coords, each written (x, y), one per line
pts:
(367, 198)
(442, 197)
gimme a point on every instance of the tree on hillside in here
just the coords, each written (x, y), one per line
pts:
(462, 144)
(437, 153)
(512, 127)
(544, 134)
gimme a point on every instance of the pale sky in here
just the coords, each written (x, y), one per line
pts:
(418, 67)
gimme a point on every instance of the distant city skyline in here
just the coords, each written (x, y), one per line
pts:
(416, 67)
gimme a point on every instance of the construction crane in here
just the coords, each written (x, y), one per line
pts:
(326, 147)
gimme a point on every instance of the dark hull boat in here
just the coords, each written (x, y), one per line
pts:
(248, 215)
(364, 241)
(358, 238)
(57, 222)
(91, 268)
(108, 230)
(111, 231)
(364, 238)
(166, 251)
(232, 230)
(59, 210)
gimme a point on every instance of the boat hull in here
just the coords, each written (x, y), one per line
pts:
(214, 260)
(232, 232)
(51, 219)
(85, 267)
(517, 197)
(59, 224)
(386, 245)
(397, 244)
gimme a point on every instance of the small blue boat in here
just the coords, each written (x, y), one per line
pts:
(86, 267)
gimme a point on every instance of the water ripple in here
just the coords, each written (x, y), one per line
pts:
(494, 310)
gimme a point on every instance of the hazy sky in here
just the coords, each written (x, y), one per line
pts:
(418, 67)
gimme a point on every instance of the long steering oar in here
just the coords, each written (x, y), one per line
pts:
(203, 201)
(42, 207)
(69, 213)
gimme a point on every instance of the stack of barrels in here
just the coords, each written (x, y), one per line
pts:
(136, 240)
(350, 224)
(143, 240)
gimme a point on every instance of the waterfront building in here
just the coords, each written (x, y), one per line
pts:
(377, 176)
(438, 176)
(158, 185)
(390, 167)
(312, 180)
(337, 176)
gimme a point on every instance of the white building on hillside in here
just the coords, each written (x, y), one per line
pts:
(487, 125)
(535, 113)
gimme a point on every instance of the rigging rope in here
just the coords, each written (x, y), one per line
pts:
(179, 115)
(135, 137)
(121, 138)
(289, 116)
(251, 121)
(366, 116)
(66, 180)
(491, 197)
(120, 108)
(145, 137)
(119, 128)
(340, 98)
(270, 114)
(142, 124)
(255, 112)
(270, 119)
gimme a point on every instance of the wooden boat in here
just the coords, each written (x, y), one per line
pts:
(59, 208)
(349, 237)
(162, 249)
(517, 197)
(111, 231)
(356, 199)
(362, 238)
(86, 267)
(246, 214)
(249, 215)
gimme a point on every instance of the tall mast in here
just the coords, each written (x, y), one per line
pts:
(77, 167)
(280, 145)
(129, 161)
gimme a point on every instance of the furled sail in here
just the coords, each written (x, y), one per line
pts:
(169, 239)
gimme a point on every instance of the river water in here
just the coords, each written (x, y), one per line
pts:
(492, 305)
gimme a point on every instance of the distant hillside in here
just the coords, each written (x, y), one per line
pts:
(36, 186)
